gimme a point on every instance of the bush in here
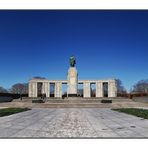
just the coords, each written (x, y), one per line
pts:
(106, 101)
(37, 101)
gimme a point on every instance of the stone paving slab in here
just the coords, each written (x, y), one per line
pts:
(72, 123)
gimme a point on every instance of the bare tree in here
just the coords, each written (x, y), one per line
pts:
(141, 86)
(120, 88)
(3, 90)
(19, 88)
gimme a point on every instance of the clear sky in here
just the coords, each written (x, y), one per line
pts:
(106, 44)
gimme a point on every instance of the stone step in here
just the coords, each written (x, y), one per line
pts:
(72, 105)
(118, 104)
(74, 100)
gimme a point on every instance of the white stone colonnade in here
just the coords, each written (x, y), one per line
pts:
(112, 88)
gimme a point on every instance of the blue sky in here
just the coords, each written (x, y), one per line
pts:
(106, 44)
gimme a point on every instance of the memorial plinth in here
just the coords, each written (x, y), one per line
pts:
(72, 81)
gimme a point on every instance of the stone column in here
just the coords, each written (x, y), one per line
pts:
(45, 88)
(32, 89)
(58, 89)
(99, 89)
(35, 89)
(86, 87)
(112, 88)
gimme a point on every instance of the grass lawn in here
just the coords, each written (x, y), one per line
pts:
(10, 111)
(143, 113)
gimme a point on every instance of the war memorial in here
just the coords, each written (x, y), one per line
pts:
(76, 116)
(72, 85)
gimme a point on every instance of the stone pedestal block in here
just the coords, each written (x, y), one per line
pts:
(72, 83)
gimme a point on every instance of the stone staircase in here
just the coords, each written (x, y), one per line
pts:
(72, 102)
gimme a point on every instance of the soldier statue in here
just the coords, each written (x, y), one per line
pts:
(72, 61)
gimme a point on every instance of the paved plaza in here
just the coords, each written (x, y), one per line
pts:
(72, 123)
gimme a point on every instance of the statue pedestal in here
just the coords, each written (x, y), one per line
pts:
(72, 79)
